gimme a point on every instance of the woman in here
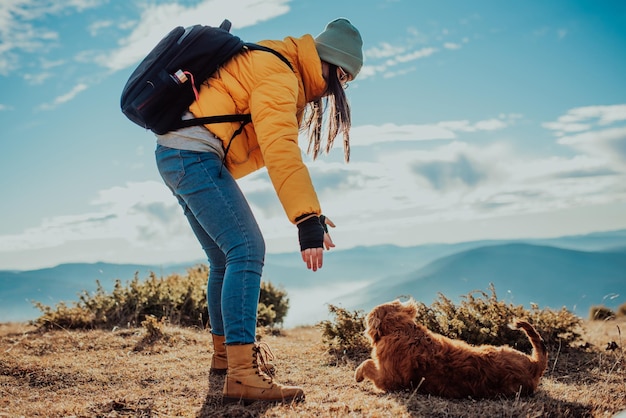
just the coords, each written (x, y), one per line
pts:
(192, 160)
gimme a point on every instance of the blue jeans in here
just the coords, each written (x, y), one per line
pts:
(221, 219)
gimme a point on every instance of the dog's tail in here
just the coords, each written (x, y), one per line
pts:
(540, 351)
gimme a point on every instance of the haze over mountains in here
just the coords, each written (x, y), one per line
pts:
(522, 273)
(576, 272)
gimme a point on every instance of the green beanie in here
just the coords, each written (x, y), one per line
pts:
(341, 44)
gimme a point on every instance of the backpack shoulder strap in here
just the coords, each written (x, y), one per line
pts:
(243, 118)
(257, 47)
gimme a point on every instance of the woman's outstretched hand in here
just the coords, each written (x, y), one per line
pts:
(314, 257)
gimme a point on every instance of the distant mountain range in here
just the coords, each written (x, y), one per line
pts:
(63, 283)
(521, 273)
(575, 271)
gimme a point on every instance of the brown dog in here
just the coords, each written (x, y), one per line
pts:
(407, 355)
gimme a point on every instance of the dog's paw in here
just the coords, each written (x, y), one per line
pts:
(358, 374)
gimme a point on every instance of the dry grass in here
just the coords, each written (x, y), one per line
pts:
(130, 373)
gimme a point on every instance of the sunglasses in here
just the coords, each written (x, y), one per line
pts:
(343, 78)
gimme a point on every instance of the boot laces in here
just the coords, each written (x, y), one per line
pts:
(264, 356)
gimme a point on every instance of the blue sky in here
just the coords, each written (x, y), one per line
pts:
(471, 120)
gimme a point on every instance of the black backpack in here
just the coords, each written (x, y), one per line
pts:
(166, 82)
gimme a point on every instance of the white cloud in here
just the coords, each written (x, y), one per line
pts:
(389, 59)
(586, 129)
(131, 212)
(605, 114)
(384, 50)
(21, 31)
(565, 127)
(372, 134)
(96, 27)
(466, 126)
(45, 65)
(583, 118)
(412, 56)
(64, 97)
(37, 79)
(366, 135)
(400, 56)
(456, 182)
(157, 20)
(395, 73)
(18, 33)
(609, 145)
(445, 181)
(451, 45)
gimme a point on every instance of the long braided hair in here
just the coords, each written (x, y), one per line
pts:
(336, 102)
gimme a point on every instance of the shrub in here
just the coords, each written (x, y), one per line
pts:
(179, 299)
(153, 329)
(479, 318)
(621, 311)
(273, 305)
(600, 313)
(345, 335)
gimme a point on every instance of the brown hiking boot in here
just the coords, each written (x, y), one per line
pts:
(219, 361)
(247, 380)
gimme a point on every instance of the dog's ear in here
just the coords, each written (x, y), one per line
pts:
(374, 327)
(410, 307)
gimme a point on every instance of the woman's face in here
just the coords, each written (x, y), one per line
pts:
(341, 75)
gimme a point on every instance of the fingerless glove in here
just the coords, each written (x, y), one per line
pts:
(310, 233)
(323, 223)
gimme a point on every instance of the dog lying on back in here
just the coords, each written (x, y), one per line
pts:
(406, 355)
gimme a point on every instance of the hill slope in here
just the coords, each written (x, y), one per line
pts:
(522, 273)
(123, 373)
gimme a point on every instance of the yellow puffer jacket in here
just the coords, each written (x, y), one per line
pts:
(259, 83)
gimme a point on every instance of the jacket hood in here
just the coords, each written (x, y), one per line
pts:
(302, 53)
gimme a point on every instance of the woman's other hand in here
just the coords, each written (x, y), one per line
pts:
(314, 237)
